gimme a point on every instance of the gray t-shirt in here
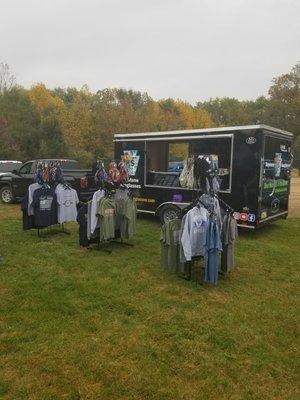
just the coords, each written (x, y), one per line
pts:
(170, 246)
(229, 234)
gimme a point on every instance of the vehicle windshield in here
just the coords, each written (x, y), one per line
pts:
(9, 166)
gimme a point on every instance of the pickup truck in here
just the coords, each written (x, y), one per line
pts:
(14, 184)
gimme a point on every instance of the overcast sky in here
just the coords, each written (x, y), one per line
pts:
(188, 49)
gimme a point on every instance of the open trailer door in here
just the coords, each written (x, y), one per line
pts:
(276, 173)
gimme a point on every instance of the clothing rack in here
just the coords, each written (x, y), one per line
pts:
(224, 203)
(108, 242)
(191, 268)
(109, 193)
(196, 202)
(49, 230)
(193, 272)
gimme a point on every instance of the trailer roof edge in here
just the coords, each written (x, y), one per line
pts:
(203, 130)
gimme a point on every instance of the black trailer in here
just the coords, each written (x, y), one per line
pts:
(254, 164)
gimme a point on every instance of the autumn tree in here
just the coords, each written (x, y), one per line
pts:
(49, 108)
(284, 110)
(77, 126)
(77, 123)
(22, 121)
(9, 148)
(227, 111)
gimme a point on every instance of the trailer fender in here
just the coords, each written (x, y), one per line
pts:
(169, 210)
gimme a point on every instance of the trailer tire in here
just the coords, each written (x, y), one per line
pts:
(6, 195)
(169, 212)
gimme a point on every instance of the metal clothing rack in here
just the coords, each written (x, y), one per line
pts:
(108, 242)
(224, 203)
(49, 230)
(191, 270)
(110, 193)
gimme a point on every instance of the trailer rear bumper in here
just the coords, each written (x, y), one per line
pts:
(281, 215)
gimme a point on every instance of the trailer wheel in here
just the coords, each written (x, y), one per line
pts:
(169, 212)
(6, 195)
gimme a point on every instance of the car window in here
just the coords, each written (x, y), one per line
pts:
(26, 169)
(69, 164)
(8, 166)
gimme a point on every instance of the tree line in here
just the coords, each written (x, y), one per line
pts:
(77, 123)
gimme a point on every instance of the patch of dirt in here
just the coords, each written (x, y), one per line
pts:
(10, 211)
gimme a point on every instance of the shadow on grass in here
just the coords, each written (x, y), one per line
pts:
(149, 217)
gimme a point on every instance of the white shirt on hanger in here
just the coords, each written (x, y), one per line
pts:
(67, 200)
(94, 218)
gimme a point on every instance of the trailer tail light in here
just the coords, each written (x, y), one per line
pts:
(83, 182)
(244, 217)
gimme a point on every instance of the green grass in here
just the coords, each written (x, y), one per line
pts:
(87, 325)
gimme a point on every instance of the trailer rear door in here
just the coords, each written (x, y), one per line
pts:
(275, 182)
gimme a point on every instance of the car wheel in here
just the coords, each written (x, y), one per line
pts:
(6, 195)
(169, 212)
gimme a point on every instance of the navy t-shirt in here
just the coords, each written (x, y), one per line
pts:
(82, 221)
(45, 207)
(28, 220)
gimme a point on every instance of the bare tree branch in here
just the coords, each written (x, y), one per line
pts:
(7, 79)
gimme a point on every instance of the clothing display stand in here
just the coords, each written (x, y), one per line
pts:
(102, 245)
(227, 206)
(107, 243)
(49, 230)
(49, 202)
(198, 246)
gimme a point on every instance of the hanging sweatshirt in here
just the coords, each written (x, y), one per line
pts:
(94, 218)
(31, 189)
(193, 235)
(213, 204)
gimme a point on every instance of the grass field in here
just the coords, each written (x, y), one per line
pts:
(87, 325)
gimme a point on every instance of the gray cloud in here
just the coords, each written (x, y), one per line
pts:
(188, 49)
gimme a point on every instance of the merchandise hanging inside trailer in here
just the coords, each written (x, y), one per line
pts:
(253, 164)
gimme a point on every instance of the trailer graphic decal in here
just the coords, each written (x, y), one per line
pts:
(131, 158)
(278, 186)
(251, 140)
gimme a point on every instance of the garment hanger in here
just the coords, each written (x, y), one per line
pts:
(67, 186)
(227, 206)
